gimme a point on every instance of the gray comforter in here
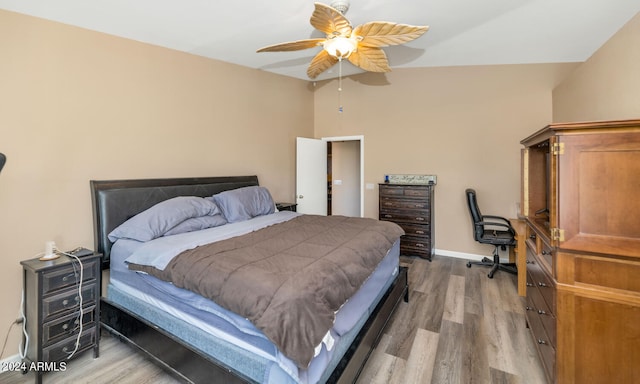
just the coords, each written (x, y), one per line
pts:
(290, 278)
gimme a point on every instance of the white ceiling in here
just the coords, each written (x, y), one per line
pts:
(462, 32)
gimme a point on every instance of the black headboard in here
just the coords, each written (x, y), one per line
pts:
(115, 201)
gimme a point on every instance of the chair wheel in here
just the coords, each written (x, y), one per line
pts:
(468, 264)
(490, 275)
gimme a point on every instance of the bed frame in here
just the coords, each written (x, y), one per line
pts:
(115, 201)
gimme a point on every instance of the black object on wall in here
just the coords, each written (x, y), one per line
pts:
(3, 159)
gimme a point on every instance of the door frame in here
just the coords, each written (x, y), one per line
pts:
(359, 138)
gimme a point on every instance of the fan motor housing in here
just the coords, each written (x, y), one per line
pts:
(342, 6)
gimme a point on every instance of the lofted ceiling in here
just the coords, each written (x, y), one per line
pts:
(462, 32)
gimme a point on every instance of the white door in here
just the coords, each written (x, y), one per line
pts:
(311, 176)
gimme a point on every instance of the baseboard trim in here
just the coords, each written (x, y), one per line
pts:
(504, 255)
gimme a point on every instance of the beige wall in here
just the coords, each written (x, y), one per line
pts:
(607, 86)
(463, 124)
(78, 105)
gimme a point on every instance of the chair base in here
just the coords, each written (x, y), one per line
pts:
(494, 264)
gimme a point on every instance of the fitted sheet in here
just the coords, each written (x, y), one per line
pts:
(207, 316)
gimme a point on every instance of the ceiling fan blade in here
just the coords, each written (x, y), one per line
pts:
(320, 63)
(370, 59)
(330, 21)
(383, 33)
(293, 45)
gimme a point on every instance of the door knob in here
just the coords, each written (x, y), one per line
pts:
(300, 197)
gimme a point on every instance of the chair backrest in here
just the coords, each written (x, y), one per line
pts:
(474, 211)
(3, 158)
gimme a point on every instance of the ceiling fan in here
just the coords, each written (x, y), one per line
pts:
(360, 45)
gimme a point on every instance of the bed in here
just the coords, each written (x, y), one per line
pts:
(199, 341)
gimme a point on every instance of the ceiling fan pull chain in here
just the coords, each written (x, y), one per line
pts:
(340, 85)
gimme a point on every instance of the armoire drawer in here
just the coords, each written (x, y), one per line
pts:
(546, 349)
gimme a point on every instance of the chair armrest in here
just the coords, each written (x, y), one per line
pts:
(495, 217)
(507, 226)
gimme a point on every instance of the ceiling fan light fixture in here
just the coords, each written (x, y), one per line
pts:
(340, 47)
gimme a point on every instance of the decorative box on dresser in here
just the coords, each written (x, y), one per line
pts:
(52, 310)
(580, 188)
(411, 207)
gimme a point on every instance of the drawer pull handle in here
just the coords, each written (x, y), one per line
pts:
(541, 312)
(420, 232)
(528, 308)
(542, 285)
(530, 262)
(419, 245)
(65, 302)
(546, 253)
(532, 237)
(420, 218)
(388, 216)
(67, 277)
(540, 341)
(530, 285)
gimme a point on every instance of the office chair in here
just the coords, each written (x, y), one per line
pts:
(494, 230)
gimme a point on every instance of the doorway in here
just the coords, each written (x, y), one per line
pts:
(343, 178)
(330, 175)
(347, 169)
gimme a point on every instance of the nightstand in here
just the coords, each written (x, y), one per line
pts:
(286, 207)
(52, 310)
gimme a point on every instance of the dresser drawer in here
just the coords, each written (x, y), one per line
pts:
(416, 230)
(410, 245)
(67, 276)
(66, 326)
(416, 216)
(61, 350)
(69, 300)
(404, 190)
(396, 203)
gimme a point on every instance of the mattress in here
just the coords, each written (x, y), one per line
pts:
(231, 338)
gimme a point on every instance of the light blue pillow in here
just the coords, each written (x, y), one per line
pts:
(157, 220)
(196, 224)
(245, 203)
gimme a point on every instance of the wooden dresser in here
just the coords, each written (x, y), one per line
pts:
(580, 188)
(411, 207)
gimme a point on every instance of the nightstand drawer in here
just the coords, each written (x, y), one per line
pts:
(66, 326)
(61, 350)
(69, 300)
(67, 276)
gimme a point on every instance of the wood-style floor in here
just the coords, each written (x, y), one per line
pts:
(459, 327)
